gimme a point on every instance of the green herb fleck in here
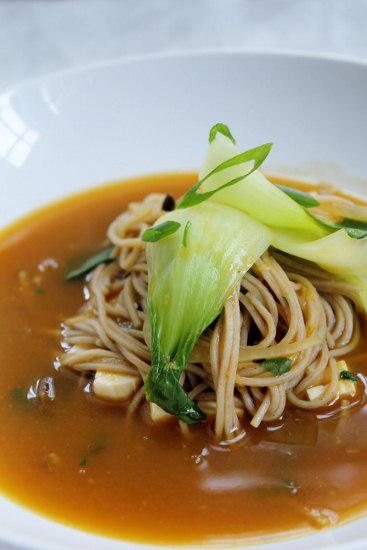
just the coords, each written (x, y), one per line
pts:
(304, 199)
(99, 444)
(160, 231)
(279, 365)
(186, 230)
(19, 395)
(346, 375)
(258, 155)
(222, 129)
(102, 257)
(40, 291)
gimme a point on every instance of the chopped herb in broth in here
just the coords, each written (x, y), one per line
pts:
(101, 257)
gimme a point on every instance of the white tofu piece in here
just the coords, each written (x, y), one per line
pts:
(315, 392)
(115, 387)
(346, 388)
(158, 415)
(208, 407)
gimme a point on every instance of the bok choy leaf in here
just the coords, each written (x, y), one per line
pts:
(255, 195)
(338, 252)
(188, 286)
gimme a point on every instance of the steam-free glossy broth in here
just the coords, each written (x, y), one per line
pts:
(82, 462)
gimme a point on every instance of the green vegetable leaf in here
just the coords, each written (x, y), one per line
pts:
(258, 155)
(279, 365)
(355, 228)
(304, 199)
(188, 287)
(160, 231)
(346, 375)
(83, 463)
(186, 230)
(101, 258)
(162, 386)
(222, 129)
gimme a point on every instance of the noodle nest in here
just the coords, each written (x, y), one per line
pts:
(282, 307)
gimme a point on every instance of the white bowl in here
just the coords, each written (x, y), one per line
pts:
(84, 127)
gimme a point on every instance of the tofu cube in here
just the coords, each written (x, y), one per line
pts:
(315, 392)
(346, 388)
(115, 387)
(158, 415)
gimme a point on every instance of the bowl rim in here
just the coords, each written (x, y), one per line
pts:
(181, 53)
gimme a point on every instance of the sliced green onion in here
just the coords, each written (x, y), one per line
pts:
(222, 129)
(186, 230)
(257, 155)
(304, 199)
(160, 231)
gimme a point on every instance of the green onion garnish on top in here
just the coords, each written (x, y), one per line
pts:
(256, 155)
(301, 197)
(222, 129)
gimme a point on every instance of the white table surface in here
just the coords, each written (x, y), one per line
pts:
(39, 36)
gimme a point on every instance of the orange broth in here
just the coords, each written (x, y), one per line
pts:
(80, 461)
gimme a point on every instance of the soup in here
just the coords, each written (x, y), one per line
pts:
(86, 463)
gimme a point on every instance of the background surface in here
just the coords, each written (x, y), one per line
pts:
(40, 36)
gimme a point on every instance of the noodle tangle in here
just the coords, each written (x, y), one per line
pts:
(283, 307)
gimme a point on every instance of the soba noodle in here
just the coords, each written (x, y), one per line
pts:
(283, 307)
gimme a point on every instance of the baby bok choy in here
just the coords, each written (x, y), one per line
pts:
(340, 248)
(192, 271)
